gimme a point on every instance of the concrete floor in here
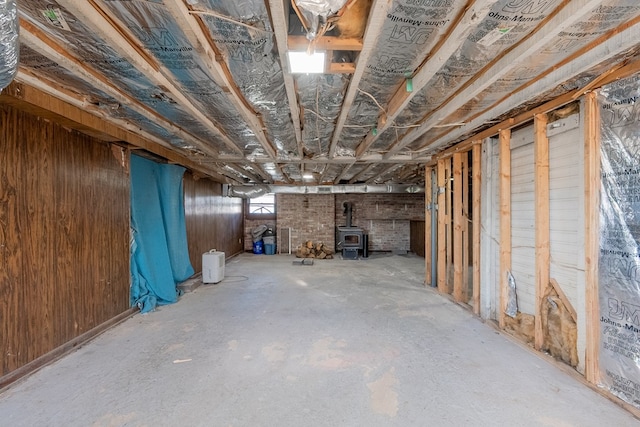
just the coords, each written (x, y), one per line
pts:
(339, 343)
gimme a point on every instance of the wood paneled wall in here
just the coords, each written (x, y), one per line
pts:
(64, 236)
(213, 221)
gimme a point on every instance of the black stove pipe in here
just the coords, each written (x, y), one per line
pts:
(348, 210)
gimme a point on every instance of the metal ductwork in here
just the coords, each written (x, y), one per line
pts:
(9, 46)
(256, 191)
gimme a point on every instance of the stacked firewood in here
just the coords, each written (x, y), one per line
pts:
(314, 250)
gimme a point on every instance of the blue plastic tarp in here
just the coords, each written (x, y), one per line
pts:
(159, 251)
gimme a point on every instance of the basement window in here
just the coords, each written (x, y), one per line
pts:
(263, 207)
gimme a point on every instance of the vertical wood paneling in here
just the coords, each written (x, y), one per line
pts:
(213, 221)
(11, 295)
(64, 221)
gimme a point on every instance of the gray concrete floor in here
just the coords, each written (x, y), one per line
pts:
(339, 343)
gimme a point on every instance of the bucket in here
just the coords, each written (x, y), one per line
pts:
(269, 248)
(257, 247)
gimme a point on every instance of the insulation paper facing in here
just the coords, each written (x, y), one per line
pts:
(9, 50)
(619, 260)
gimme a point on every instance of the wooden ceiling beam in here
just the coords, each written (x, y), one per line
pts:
(609, 47)
(301, 43)
(570, 13)
(33, 37)
(469, 18)
(364, 171)
(279, 16)
(384, 172)
(377, 18)
(204, 46)
(95, 16)
(344, 172)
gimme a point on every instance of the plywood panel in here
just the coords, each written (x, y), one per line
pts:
(64, 208)
(213, 220)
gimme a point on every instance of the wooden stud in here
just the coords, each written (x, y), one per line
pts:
(324, 43)
(476, 174)
(505, 220)
(429, 211)
(542, 221)
(442, 244)
(458, 218)
(448, 221)
(591, 233)
(465, 227)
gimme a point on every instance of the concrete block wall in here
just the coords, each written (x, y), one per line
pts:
(310, 217)
(385, 217)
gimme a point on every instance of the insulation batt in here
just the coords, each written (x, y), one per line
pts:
(9, 50)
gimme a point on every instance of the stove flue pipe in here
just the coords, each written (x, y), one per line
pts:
(348, 210)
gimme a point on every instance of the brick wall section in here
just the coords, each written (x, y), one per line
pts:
(385, 217)
(310, 216)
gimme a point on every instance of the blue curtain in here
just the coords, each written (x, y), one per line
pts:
(159, 252)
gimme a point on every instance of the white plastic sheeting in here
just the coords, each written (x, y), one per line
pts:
(9, 52)
(619, 262)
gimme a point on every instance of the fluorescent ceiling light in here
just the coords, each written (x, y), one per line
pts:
(307, 176)
(302, 62)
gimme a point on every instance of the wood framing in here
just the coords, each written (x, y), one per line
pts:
(476, 174)
(448, 206)
(465, 227)
(505, 220)
(591, 235)
(429, 212)
(442, 238)
(541, 158)
(458, 219)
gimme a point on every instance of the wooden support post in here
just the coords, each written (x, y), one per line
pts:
(442, 244)
(541, 146)
(429, 211)
(476, 174)
(465, 227)
(505, 220)
(591, 235)
(448, 206)
(458, 218)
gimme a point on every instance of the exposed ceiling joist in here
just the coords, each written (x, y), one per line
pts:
(471, 16)
(115, 33)
(324, 43)
(279, 15)
(363, 172)
(571, 13)
(38, 41)
(618, 43)
(203, 45)
(377, 16)
(383, 173)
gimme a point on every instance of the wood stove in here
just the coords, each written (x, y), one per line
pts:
(349, 239)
